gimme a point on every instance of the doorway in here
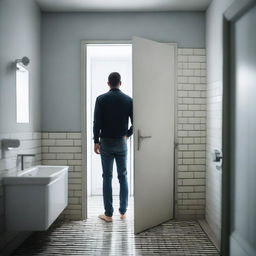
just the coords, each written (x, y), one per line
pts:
(153, 67)
(101, 60)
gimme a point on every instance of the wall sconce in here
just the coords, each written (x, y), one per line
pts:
(24, 61)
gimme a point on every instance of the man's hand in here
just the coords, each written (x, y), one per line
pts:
(97, 148)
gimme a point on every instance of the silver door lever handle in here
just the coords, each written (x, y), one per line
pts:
(140, 138)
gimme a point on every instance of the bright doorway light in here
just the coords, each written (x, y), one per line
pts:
(102, 59)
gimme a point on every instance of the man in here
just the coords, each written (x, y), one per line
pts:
(111, 117)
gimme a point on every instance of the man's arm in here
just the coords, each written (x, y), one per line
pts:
(130, 131)
(97, 126)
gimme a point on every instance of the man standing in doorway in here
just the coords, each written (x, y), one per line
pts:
(110, 127)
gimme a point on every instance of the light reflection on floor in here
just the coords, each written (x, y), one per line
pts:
(95, 237)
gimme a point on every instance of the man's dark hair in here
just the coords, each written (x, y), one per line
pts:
(114, 79)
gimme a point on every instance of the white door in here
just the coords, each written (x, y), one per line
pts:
(153, 94)
(243, 140)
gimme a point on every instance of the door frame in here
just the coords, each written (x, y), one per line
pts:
(83, 105)
(233, 13)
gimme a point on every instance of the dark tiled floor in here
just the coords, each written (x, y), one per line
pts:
(94, 237)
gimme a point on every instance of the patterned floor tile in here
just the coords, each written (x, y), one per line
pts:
(95, 237)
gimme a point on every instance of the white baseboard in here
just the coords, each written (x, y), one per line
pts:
(206, 228)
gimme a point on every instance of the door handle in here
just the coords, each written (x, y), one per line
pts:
(218, 159)
(140, 138)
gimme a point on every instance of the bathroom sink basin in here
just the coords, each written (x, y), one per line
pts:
(35, 197)
(36, 175)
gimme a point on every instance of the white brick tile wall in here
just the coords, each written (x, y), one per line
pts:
(214, 141)
(65, 148)
(191, 134)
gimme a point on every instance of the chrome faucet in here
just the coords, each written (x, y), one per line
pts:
(22, 159)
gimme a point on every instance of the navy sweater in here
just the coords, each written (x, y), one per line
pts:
(111, 115)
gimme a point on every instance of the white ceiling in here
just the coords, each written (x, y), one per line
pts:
(122, 5)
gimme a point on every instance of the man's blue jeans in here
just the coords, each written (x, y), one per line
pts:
(111, 149)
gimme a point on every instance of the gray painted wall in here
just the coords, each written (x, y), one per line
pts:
(214, 19)
(20, 23)
(62, 33)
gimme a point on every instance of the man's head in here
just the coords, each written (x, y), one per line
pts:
(114, 80)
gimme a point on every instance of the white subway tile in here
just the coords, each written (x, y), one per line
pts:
(203, 65)
(188, 100)
(196, 195)
(199, 52)
(49, 156)
(65, 149)
(193, 182)
(188, 154)
(185, 188)
(74, 135)
(188, 127)
(194, 202)
(185, 175)
(77, 142)
(182, 94)
(65, 156)
(64, 142)
(199, 188)
(199, 174)
(75, 175)
(75, 162)
(194, 65)
(194, 94)
(45, 135)
(197, 147)
(45, 149)
(187, 72)
(36, 135)
(183, 147)
(57, 135)
(188, 87)
(187, 51)
(182, 133)
(182, 168)
(77, 156)
(200, 87)
(75, 181)
(75, 187)
(54, 162)
(185, 65)
(197, 72)
(182, 107)
(48, 142)
(198, 58)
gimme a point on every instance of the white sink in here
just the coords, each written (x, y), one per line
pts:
(35, 197)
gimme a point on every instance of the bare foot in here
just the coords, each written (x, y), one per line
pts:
(122, 216)
(105, 218)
